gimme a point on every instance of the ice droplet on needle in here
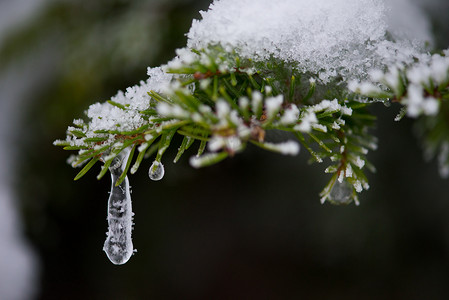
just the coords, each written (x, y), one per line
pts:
(341, 193)
(156, 171)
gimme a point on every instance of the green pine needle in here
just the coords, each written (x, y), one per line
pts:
(86, 168)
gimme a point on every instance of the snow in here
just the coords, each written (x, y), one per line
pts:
(406, 19)
(308, 119)
(418, 104)
(286, 148)
(329, 38)
(319, 127)
(256, 101)
(203, 160)
(244, 103)
(172, 110)
(419, 79)
(273, 105)
(290, 116)
(359, 162)
(435, 67)
(358, 186)
(158, 80)
(348, 171)
(105, 116)
(344, 39)
(230, 143)
(223, 109)
(392, 79)
(327, 106)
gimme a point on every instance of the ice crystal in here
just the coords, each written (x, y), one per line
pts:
(118, 245)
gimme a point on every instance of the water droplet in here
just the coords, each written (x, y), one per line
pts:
(156, 171)
(118, 245)
(341, 193)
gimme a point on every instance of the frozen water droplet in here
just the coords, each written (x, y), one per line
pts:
(156, 171)
(341, 193)
(118, 245)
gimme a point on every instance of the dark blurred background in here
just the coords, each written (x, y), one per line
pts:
(251, 227)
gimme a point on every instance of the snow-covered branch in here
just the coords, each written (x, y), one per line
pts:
(252, 66)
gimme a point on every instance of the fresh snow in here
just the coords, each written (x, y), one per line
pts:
(105, 116)
(329, 38)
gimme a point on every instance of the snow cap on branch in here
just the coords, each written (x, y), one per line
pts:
(330, 38)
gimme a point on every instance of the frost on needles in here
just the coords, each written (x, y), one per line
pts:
(309, 68)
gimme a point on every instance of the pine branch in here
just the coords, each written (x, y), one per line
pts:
(226, 90)
(224, 106)
(423, 90)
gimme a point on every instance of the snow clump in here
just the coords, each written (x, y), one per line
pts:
(329, 38)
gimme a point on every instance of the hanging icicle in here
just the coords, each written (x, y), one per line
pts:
(118, 245)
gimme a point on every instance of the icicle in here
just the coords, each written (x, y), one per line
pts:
(341, 193)
(118, 245)
(156, 171)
